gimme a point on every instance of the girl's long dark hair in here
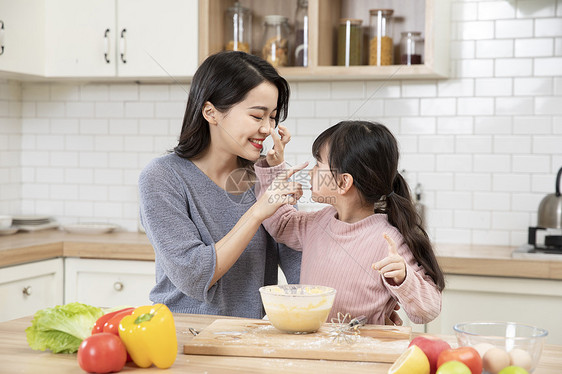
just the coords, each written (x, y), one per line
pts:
(369, 153)
(224, 79)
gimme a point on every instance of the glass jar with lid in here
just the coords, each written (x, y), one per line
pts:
(350, 38)
(381, 49)
(301, 34)
(238, 28)
(275, 46)
(411, 48)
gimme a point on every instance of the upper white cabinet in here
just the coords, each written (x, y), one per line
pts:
(100, 38)
(21, 36)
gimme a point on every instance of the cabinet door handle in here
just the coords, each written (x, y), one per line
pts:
(118, 286)
(107, 46)
(27, 291)
(123, 46)
(1, 37)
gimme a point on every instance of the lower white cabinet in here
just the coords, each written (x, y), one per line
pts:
(108, 283)
(536, 302)
(26, 288)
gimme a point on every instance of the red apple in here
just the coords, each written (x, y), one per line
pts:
(432, 347)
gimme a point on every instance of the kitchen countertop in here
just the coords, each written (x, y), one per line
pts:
(17, 357)
(454, 259)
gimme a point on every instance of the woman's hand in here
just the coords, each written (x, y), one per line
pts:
(276, 156)
(281, 191)
(392, 266)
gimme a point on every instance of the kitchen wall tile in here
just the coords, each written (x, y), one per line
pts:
(78, 209)
(407, 143)
(514, 106)
(64, 192)
(94, 92)
(123, 92)
(418, 162)
(531, 164)
(383, 89)
(532, 86)
(492, 163)
(28, 110)
(558, 46)
(455, 125)
(63, 92)
(513, 67)
(438, 107)
(109, 177)
(35, 158)
(50, 109)
(548, 66)
(557, 125)
(80, 110)
(49, 175)
(494, 48)
(455, 87)
(309, 126)
(313, 90)
(492, 201)
(401, 107)
(510, 220)
(94, 126)
(109, 110)
(514, 28)
(93, 159)
(534, 47)
(548, 105)
(454, 163)
(64, 158)
(493, 125)
(475, 30)
(509, 144)
(36, 92)
(439, 218)
(78, 176)
(419, 89)
(140, 109)
(559, 8)
(558, 86)
(172, 110)
(418, 125)
(469, 219)
(180, 92)
(494, 86)
(535, 8)
(475, 68)
(511, 182)
(123, 160)
(92, 193)
(331, 108)
(27, 143)
(105, 143)
(122, 193)
(464, 11)
(50, 142)
(473, 144)
(347, 90)
(461, 49)
(153, 126)
(475, 106)
(435, 181)
(65, 126)
(531, 125)
(131, 177)
(489, 237)
(35, 191)
(547, 145)
(138, 144)
(49, 207)
(302, 108)
(472, 181)
(526, 202)
(79, 143)
(494, 10)
(154, 92)
(452, 236)
(548, 27)
(544, 183)
(123, 127)
(435, 144)
(364, 109)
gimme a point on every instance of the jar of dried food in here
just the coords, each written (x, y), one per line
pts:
(411, 48)
(381, 46)
(238, 28)
(301, 33)
(350, 37)
(275, 46)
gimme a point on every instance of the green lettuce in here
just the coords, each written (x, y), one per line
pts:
(62, 328)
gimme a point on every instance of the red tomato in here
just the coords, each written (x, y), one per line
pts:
(467, 355)
(98, 326)
(112, 325)
(102, 353)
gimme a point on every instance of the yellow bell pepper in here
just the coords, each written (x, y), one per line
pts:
(150, 336)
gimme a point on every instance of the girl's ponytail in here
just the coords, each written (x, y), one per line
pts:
(402, 214)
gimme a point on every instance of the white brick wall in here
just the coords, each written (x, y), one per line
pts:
(485, 144)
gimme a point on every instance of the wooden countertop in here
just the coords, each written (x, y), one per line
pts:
(454, 259)
(17, 357)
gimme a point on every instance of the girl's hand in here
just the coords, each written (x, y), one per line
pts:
(276, 156)
(280, 192)
(393, 266)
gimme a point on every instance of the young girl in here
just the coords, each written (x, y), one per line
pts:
(356, 173)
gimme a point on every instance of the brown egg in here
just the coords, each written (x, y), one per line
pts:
(494, 360)
(519, 357)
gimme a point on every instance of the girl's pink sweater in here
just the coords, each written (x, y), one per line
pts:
(339, 255)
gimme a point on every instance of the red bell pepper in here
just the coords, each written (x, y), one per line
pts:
(112, 325)
(100, 323)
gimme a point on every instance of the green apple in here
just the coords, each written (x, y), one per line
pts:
(513, 370)
(453, 367)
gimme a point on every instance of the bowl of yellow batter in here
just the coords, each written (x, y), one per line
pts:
(297, 308)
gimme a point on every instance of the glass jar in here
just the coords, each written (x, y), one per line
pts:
(350, 37)
(411, 48)
(381, 46)
(301, 34)
(275, 46)
(238, 28)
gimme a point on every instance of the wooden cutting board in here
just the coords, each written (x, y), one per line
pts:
(258, 338)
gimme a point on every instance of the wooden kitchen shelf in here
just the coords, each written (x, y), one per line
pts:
(430, 15)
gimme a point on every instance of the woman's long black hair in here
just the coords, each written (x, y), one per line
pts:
(369, 153)
(224, 79)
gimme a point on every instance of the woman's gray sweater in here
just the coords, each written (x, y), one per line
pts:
(184, 214)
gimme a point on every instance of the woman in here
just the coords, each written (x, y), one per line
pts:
(197, 204)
